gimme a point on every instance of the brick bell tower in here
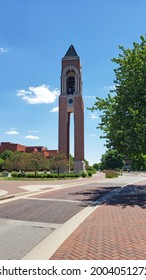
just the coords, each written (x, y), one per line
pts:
(70, 101)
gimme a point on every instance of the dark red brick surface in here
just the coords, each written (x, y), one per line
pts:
(110, 233)
(39, 211)
(14, 187)
(85, 193)
(114, 231)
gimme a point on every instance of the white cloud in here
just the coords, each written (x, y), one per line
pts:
(93, 116)
(12, 132)
(3, 50)
(39, 95)
(13, 128)
(90, 96)
(54, 110)
(32, 137)
(33, 131)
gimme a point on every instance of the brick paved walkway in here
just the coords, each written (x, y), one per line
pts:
(16, 187)
(115, 230)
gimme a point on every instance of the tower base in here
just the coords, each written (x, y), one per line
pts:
(79, 166)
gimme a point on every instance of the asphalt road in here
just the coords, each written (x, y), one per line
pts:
(34, 215)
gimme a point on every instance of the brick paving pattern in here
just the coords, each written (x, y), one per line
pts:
(14, 187)
(110, 233)
(84, 193)
(39, 211)
(114, 231)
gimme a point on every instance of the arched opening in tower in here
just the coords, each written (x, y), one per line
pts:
(72, 134)
(70, 82)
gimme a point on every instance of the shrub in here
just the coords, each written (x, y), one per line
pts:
(30, 175)
(14, 174)
(83, 174)
(110, 174)
(92, 169)
(54, 175)
(62, 175)
(18, 175)
(21, 175)
(46, 175)
(50, 175)
(41, 175)
(90, 173)
(71, 175)
(77, 175)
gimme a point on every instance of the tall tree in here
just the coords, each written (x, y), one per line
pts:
(123, 116)
(17, 161)
(59, 162)
(139, 163)
(26, 161)
(38, 162)
(111, 160)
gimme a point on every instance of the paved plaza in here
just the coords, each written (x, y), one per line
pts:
(82, 219)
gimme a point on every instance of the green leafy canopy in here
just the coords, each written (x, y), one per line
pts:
(123, 116)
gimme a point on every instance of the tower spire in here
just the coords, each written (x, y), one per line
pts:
(71, 52)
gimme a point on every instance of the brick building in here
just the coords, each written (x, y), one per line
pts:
(12, 147)
(26, 149)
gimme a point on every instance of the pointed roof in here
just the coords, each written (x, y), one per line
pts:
(71, 52)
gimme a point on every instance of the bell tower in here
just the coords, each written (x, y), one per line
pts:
(70, 101)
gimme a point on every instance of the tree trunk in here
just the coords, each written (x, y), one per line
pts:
(58, 172)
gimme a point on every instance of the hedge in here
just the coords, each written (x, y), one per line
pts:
(43, 175)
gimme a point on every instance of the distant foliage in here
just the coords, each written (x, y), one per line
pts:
(112, 160)
(96, 166)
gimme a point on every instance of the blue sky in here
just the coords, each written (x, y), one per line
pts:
(34, 36)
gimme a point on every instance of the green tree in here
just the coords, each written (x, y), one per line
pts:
(112, 160)
(6, 154)
(1, 163)
(86, 164)
(38, 162)
(59, 162)
(123, 116)
(26, 162)
(71, 162)
(139, 163)
(96, 166)
(17, 161)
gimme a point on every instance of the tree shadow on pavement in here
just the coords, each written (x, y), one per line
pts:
(87, 197)
(131, 195)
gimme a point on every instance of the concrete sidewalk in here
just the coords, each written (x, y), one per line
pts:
(3, 193)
